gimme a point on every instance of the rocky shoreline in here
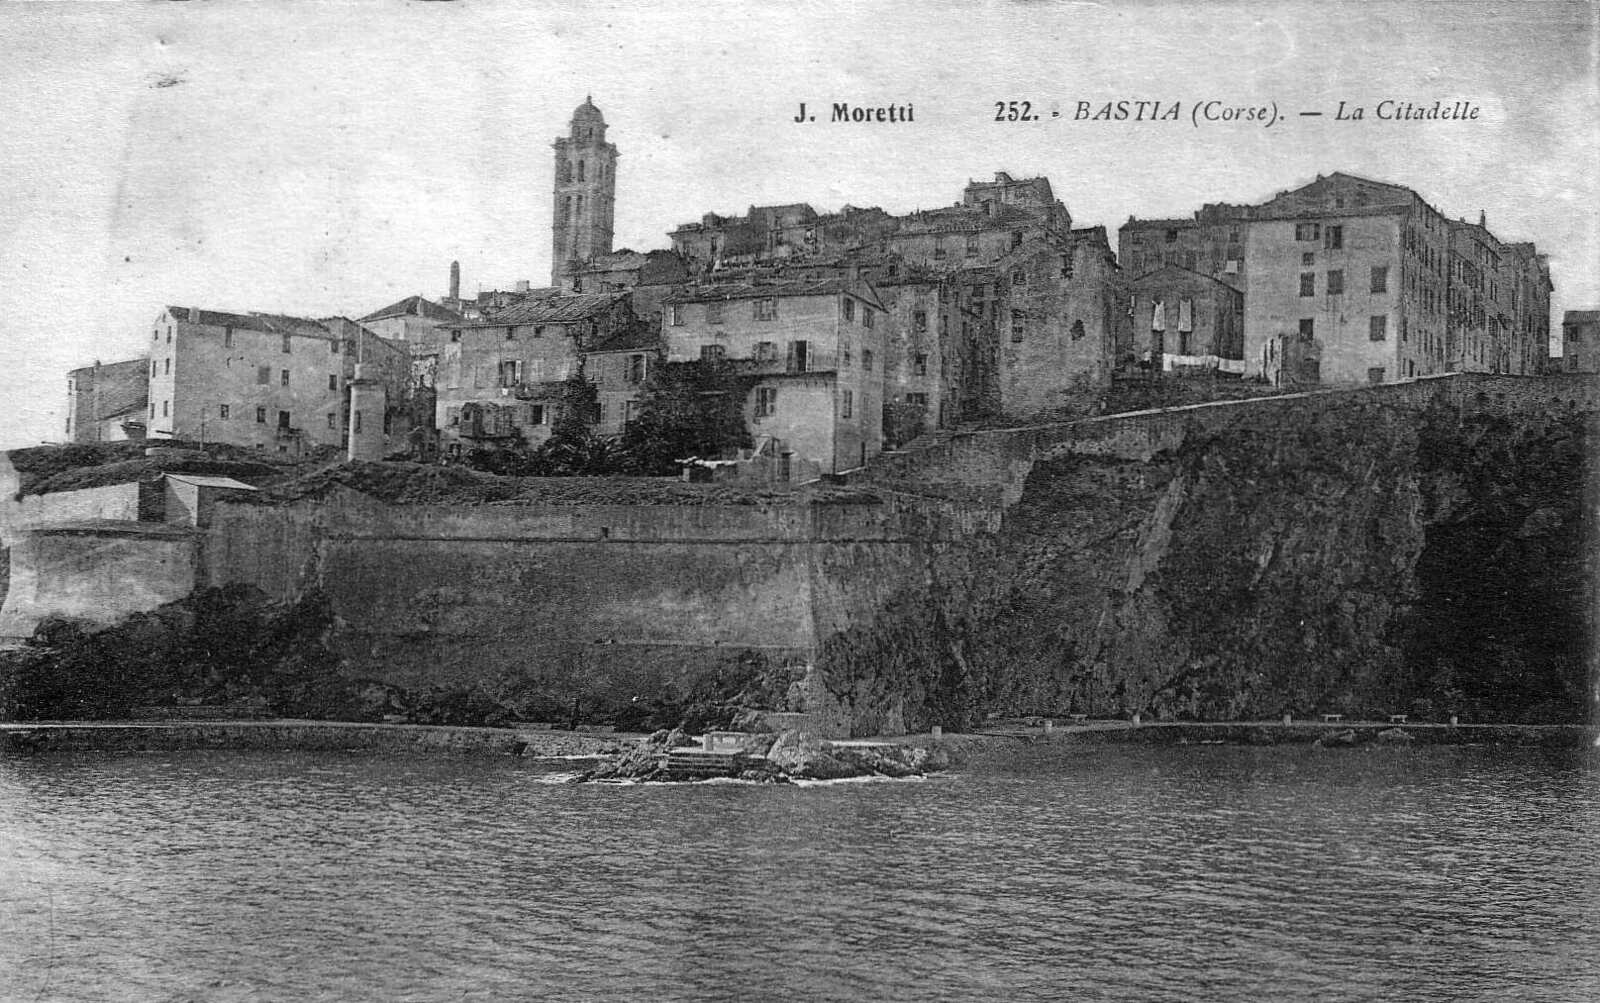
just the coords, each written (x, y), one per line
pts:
(790, 755)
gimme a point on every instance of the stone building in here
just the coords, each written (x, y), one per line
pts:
(1183, 320)
(1359, 281)
(499, 380)
(265, 380)
(813, 352)
(415, 320)
(618, 366)
(1580, 343)
(585, 192)
(107, 403)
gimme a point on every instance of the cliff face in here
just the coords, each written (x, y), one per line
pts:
(1362, 560)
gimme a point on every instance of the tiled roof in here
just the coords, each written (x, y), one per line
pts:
(415, 306)
(1186, 273)
(762, 288)
(1581, 317)
(629, 339)
(550, 310)
(269, 322)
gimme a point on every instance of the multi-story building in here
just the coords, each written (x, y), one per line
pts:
(106, 403)
(1347, 280)
(812, 352)
(261, 380)
(618, 367)
(499, 380)
(1580, 343)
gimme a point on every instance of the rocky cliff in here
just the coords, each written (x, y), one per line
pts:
(1362, 560)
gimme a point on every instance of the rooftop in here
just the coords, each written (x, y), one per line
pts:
(415, 306)
(550, 310)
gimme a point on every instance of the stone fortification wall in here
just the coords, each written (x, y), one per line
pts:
(95, 572)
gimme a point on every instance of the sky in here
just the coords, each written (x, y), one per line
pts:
(334, 158)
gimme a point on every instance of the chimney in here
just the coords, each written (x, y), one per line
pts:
(194, 315)
(455, 280)
(522, 285)
(1483, 219)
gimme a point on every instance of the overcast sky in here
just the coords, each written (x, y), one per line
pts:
(334, 158)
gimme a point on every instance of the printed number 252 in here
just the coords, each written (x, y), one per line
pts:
(1014, 111)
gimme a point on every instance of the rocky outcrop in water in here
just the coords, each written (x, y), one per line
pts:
(768, 758)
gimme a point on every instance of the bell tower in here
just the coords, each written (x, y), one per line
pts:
(585, 192)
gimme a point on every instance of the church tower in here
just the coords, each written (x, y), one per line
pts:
(585, 189)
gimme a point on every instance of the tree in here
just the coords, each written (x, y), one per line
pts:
(686, 409)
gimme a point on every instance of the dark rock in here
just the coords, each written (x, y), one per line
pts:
(1342, 740)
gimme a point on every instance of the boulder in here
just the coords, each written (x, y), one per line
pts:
(802, 755)
(1395, 736)
(643, 761)
(1341, 740)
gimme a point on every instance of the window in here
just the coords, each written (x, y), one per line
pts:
(1378, 328)
(357, 421)
(330, 419)
(712, 353)
(917, 400)
(1375, 374)
(333, 347)
(866, 359)
(919, 365)
(766, 351)
(635, 369)
(919, 320)
(630, 411)
(1380, 278)
(166, 365)
(1308, 284)
(1308, 259)
(1306, 329)
(766, 402)
(455, 335)
(972, 245)
(152, 367)
(333, 381)
(286, 344)
(536, 414)
(766, 308)
(938, 250)
(1308, 231)
(844, 356)
(261, 416)
(263, 375)
(1018, 325)
(714, 313)
(1336, 282)
(510, 372)
(283, 420)
(511, 334)
(1335, 237)
(1016, 239)
(165, 408)
(222, 410)
(866, 316)
(283, 377)
(1172, 236)
(1019, 277)
(849, 308)
(1077, 330)
(677, 315)
(847, 406)
(799, 357)
(227, 337)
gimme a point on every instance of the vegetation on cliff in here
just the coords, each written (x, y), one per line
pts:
(1361, 560)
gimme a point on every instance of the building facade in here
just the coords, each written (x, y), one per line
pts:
(813, 353)
(499, 380)
(1347, 280)
(107, 403)
(1580, 343)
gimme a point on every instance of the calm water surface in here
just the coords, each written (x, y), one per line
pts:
(1064, 872)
